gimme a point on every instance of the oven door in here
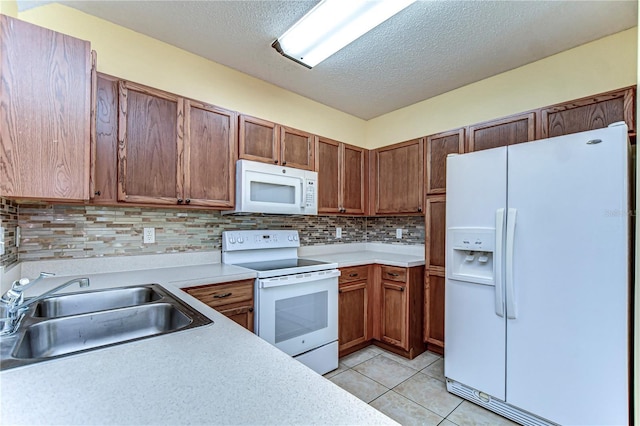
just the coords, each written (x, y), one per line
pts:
(297, 313)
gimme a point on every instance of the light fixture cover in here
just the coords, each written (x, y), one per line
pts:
(333, 24)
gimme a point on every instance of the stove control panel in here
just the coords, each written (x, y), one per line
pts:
(255, 240)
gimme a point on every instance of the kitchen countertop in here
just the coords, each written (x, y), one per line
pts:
(366, 253)
(214, 374)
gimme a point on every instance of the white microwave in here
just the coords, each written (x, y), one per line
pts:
(267, 188)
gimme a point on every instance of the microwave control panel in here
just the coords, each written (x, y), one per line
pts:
(310, 195)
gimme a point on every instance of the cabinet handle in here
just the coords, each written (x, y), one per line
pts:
(98, 193)
(393, 274)
(275, 161)
(222, 296)
(187, 201)
(250, 309)
(401, 288)
(284, 163)
(340, 291)
(355, 274)
(179, 200)
(420, 209)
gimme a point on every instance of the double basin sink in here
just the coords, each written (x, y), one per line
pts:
(68, 324)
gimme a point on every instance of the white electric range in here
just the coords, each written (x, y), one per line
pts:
(296, 299)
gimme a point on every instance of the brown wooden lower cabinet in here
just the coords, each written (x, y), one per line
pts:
(242, 316)
(232, 299)
(434, 311)
(394, 298)
(382, 305)
(353, 305)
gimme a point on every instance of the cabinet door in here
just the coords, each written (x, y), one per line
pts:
(242, 316)
(105, 149)
(150, 145)
(352, 314)
(434, 310)
(258, 140)
(297, 148)
(353, 182)
(45, 113)
(437, 148)
(589, 113)
(435, 224)
(507, 131)
(394, 314)
(209, 157)
(327, 165)
(399, 178)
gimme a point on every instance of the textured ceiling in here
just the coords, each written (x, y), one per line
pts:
(430, 48)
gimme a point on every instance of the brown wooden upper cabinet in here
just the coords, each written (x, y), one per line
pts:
(505, 131)
(437, 148)
(268, 142)
(398, 175)
(46, 98)
(209, 155)
(104, 143)
(173, 150)
(341, 177)
(589, 113)
(151, 143)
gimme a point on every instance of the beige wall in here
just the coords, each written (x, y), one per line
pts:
(599, 66)
(133, 56)
(9, 8)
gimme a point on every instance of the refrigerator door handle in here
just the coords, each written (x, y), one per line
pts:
(509, 284)
(497, 273)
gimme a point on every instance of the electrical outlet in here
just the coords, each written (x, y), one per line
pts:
(399, 233)
(338, 232)
(149, 235)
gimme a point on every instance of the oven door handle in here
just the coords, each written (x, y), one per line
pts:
(305, 277)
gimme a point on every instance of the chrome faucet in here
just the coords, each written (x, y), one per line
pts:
(13, 306)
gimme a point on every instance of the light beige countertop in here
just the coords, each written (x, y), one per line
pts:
(356, 254)
(215, 374)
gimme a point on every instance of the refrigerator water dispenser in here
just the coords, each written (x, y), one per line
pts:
(471, 254)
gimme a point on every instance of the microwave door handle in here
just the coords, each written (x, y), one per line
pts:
(302, 204)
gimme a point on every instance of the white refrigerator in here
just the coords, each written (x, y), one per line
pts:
(537, 315)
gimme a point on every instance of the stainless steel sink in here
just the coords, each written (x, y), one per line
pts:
(80, 332)
(92, 301)
(69, 324)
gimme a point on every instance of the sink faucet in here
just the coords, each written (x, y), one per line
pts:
(13, 306)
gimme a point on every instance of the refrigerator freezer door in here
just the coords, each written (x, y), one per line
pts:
(567, 349)
(474, 333)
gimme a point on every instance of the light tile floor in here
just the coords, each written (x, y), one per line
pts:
(412, 392)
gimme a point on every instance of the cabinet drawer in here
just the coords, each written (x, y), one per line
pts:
(355, 273)
(393, 273)
(216, 295)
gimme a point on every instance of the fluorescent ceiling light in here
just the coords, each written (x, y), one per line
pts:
(331, 25)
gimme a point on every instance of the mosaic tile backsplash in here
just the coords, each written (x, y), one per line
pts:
(9, 221)
(67, 231)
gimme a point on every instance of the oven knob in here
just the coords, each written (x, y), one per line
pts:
(232, 240)
(290, 237)
(295, 238)
(240, 240)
